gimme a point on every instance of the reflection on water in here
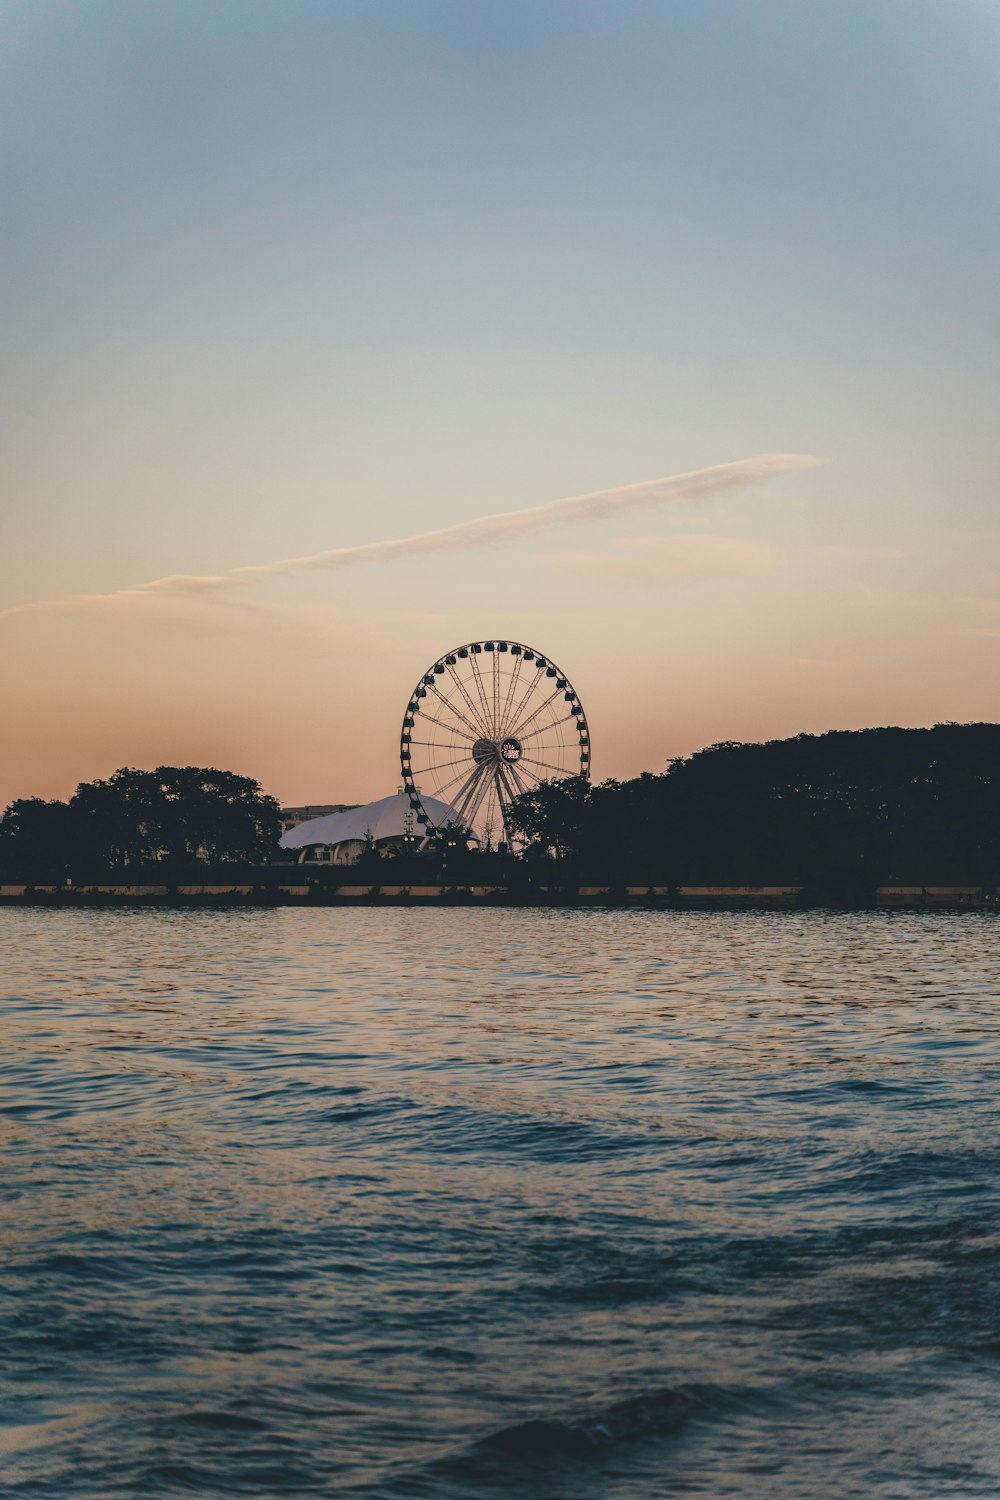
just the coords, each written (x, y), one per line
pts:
(457, 1203)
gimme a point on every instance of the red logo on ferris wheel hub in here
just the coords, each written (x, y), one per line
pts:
(510, 749)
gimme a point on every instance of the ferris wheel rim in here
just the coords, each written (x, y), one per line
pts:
(491, 760)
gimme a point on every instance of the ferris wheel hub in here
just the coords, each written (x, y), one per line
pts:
(487, 752)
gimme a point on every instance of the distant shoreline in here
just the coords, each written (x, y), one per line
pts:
(460, 893)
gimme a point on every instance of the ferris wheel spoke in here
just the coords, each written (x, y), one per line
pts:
(533, 777)
(477, 678)
(454, 709)
(427, 758)
(442, 765)
(457, 802)
(525, 698)
(512, 684)
(556, 747)
(544, 724)
(540, 709)
(461, 746)
(463, 775)
(541, 740)
(473, 710)
(482, 694)
(441, 723)
(563, 730)
(442, 792)
(553, 706)
(534, 761)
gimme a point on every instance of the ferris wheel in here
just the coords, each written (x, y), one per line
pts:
(486, 722)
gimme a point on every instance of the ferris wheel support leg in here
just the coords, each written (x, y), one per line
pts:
(467, 791)
(479, 793)
(511, 771)
(505, 797)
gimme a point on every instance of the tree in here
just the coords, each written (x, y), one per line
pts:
(39, 840)
(552, 817)
(174, 814)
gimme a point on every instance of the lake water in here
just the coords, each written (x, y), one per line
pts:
(552, 1205)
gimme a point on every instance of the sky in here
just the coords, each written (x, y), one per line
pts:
(284, 280)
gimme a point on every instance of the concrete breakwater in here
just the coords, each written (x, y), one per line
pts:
(298, 893)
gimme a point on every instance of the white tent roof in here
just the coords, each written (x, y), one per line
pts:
(384, 819)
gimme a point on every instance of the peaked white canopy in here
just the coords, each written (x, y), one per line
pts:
(385, 819)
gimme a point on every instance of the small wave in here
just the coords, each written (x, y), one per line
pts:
(222, 1420)
(505, 1458)
(655, 1415)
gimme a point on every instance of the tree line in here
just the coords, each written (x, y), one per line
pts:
(843, 811)
(847, 808)
(171, 816)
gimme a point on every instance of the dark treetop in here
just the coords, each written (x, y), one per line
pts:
(874, 805)
(173, 815)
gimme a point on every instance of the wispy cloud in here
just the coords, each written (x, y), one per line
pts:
(201, 612)
(700, 484)
(654, 559)
(678, 489)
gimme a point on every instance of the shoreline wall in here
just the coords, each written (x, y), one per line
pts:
(460, 893)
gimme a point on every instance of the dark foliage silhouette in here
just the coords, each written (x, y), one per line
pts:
(871, 806)
(174, 815)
